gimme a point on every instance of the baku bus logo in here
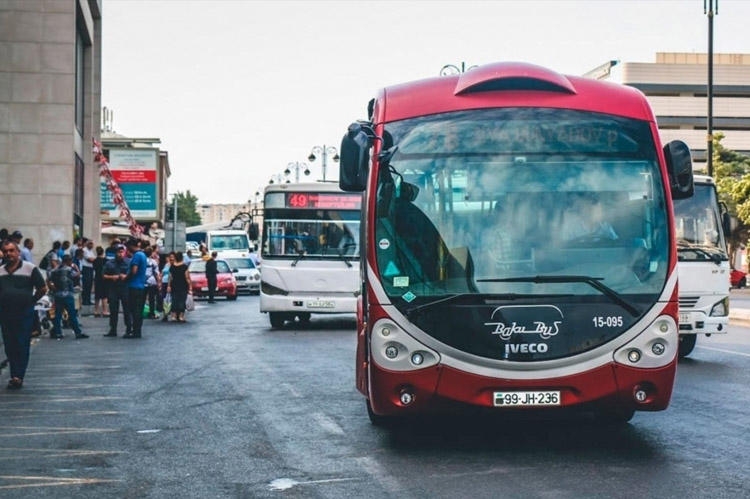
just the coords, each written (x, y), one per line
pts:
(543, 320)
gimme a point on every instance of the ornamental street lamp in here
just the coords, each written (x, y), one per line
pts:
(277, 179)
(451, 69)
(296, 167)
(324, 151)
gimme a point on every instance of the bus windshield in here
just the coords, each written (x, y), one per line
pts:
(498, 204)
(697, 222)
(295, 225)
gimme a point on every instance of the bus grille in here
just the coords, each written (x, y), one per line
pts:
(688, 301)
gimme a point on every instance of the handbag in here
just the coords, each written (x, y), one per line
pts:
(189, 303)
(167, 306)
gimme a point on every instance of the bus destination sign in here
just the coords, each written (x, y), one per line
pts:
(323, 201)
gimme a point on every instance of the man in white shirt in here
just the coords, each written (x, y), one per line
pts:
(87, 271)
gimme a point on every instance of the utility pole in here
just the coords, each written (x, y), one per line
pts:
(710, 8)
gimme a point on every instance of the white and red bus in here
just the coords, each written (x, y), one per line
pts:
(519, 245)
(310, 251)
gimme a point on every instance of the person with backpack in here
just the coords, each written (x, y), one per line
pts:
(51, 259)
(61, 281)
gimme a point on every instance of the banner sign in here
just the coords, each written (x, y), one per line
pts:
(135, 172)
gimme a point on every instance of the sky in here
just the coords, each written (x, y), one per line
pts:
(237, 90)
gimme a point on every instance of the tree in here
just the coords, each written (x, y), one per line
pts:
(732, 175)
(186, 208)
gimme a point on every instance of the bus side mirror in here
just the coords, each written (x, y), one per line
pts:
(252, 231)
(355, 159)
(680, 169)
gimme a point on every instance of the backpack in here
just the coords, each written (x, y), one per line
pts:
(44, 264)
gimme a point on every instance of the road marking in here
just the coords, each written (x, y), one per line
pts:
(327, 423)
(288, 483)
(292, 390)
(34, 431)
(17, 453)
(43, 481)
(725, 351)
(373, 468)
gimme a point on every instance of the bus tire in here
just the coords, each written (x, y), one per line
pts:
(232, 297)
(304, 318)
(277, 319)
(376, 419)
(687, 343)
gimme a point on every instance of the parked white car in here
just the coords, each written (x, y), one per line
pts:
(246, 274)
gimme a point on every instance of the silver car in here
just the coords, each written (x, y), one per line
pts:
(246, 274)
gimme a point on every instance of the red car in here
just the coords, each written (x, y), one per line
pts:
(226, 285)
(738, 278)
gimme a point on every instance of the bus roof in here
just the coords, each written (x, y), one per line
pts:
(509, 84)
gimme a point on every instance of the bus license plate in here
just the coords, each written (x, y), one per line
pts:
(527, 399)
(320, 304)
(684, 318)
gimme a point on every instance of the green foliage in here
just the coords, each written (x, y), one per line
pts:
(732, 175)
(187, 208)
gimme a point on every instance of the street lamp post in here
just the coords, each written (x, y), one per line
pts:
(277, 178)
(452, 69)
(324, 151)
(713, 9)
(297, 166)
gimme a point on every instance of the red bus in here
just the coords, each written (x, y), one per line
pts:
(519, 245)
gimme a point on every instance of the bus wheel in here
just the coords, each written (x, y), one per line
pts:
(277, 319)
(687, 343)
(376, 419)
(232, 297)
(304, 318)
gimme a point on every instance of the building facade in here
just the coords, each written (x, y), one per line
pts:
(677, 89)
(50, 101)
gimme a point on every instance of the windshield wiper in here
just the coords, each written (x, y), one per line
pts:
(341, 253)
(509, 296)
(594, 282)
(300, 254)
(714, 256)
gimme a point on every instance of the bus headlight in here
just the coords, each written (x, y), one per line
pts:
(658, 348)
(655, 346)
(721, 308)
(392, 348)
(634, 355)
(391, 351)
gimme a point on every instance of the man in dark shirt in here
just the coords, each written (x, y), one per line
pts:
(21, 285)
(62, 282)
(211, 276)
(116, 274)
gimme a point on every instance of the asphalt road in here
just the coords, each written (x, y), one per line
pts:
(225, 407)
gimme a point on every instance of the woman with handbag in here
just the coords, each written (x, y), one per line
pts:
(179, 286)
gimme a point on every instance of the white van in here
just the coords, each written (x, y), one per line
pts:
(228, 243)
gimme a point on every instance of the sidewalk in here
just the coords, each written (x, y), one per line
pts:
(740, 313)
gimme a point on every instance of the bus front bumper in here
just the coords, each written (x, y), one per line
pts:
(340, 303)
(440, 387)
(699, 322)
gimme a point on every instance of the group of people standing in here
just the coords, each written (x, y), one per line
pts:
(124, 276)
